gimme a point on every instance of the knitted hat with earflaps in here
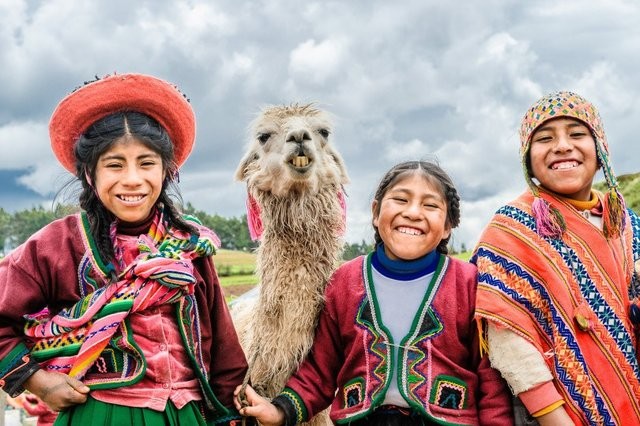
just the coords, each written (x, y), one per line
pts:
(549, 221)
(119, 93)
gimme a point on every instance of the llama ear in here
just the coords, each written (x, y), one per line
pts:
(337, 158)
(245, 163)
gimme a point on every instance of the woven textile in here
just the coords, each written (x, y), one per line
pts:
(570, 297)
(162, 273)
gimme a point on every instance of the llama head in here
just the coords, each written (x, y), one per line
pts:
(290, 152)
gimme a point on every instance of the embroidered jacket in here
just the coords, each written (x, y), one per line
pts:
(59, 265)
(440, 373)
(570, 297)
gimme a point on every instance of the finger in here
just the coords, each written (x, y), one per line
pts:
(77, 385)
(252, 396)
(250, 411)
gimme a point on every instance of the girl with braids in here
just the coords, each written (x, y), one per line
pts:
(130, 325)
(396, 343)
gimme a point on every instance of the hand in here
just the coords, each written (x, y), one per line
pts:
(57, 390)
(261, 408)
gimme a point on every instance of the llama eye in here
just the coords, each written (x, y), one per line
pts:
(324, 133)
(264, 137)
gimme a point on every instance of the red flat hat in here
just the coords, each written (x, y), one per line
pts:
(122, 92)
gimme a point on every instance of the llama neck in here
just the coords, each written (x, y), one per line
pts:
(300, 245)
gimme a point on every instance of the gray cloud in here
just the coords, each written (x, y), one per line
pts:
(419, 79)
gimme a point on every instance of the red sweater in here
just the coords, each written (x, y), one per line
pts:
(441, 374)
(57, 264)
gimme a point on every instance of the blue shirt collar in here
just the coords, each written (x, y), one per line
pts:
(404, 269)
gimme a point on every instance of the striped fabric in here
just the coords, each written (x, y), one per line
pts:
(71, 341)
(570, 297)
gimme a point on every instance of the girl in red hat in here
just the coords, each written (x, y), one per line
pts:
(130, 323)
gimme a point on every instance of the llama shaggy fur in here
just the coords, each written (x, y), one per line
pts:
(296, 178)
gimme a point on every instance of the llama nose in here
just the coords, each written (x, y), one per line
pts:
(298, 136)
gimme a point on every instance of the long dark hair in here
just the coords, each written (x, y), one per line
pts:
(99, 138)
(432, 172)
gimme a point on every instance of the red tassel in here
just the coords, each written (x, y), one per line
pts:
(254, 220)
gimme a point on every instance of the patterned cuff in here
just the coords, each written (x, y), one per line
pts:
(540, 397)
(15, 369)
(292, 406)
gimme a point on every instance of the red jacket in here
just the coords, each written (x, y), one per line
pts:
(59, 262)
(441, 374)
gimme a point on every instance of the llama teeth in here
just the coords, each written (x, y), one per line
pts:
(301, 161)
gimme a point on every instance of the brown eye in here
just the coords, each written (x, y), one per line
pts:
(324, 133)
(264, 137)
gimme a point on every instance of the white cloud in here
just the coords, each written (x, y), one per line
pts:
(418, 80)
(317, 62)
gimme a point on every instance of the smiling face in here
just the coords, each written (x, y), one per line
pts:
(411, 217)
(563, 157)
(128, 179)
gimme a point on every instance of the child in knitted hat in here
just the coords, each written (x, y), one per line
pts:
(556, 275)
(128, 324)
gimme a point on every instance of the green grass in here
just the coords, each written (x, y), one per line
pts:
(239, 280)
(464, 256)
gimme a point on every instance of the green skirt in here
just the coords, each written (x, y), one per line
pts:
(97, 413)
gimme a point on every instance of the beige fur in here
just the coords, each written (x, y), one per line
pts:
(300, 245)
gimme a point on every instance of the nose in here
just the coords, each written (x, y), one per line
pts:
(131, 177)
(563, 144)
(413, 210)
(298, 136)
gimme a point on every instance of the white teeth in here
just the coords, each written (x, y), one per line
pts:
(300, 161)
(131, 198)
(565, 165)
(410, 231)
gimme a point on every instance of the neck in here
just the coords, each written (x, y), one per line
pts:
(404, 269)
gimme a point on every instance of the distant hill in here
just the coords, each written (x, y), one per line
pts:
(630, 189)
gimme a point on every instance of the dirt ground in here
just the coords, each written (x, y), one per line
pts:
(237, 290)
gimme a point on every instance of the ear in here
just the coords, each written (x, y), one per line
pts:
(447, 232)
(375, 212)
(241, 172)
(87, 176)
(344, 177)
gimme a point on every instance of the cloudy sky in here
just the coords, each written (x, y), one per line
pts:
(404, 80)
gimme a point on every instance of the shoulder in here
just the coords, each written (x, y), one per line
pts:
(47, 244)
(462, 266)
(348, 274)
(56, 232)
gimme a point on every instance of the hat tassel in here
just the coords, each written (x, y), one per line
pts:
(549, 220)
(613, 217)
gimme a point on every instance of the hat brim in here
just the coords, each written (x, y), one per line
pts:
(116, 93)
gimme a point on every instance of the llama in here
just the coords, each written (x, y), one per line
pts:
(295, 181)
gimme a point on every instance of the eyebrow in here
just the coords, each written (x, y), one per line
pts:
(407, 191)
(121, 157)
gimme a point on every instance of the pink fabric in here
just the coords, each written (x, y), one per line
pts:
(168, 375)
(254, 220)
(540, 397)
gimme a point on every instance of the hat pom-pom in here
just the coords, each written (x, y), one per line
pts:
(549, 220)
(614, 214)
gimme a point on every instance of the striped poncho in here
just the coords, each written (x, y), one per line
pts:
(570, 298)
